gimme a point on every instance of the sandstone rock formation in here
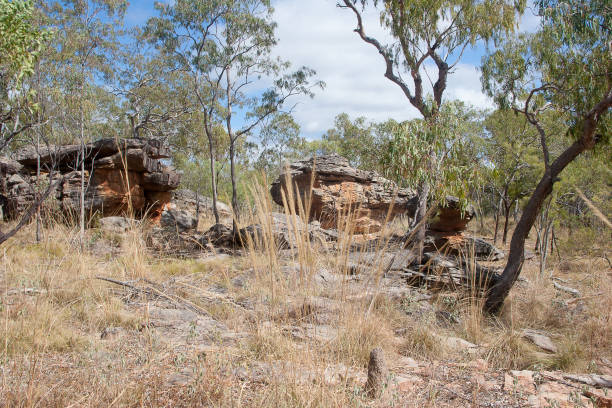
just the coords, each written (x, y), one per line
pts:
(16, 193)
(339, 189)
(121, 176)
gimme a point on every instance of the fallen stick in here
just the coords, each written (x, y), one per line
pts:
(567, 289)
(156, 292)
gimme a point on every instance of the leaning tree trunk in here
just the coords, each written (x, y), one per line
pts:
(516, 256)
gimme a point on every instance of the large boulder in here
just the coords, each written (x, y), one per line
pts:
(178, 220)
(451, 217)
(339, 189)
(121, 175)
(115, 224)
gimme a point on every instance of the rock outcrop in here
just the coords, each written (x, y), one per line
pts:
(339, 189)
(16, 194)
(121, 176)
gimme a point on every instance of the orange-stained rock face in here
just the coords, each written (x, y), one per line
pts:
(358, 202)
(121, 189)
(157, 202)
(127, 177)
(341, 192)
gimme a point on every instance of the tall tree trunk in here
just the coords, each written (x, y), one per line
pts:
(497, 214)
(213, 173)
(479, 198)
(516, 256)
(232, 153)
(82, 195)
(507, 215)
(421, 213)
(38, 183)
(516, 210)
(234, 190)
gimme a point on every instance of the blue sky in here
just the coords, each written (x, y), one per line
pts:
(317, 34)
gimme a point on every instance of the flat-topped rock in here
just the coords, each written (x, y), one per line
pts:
(122, 176)
(339, 189)
(334, 189)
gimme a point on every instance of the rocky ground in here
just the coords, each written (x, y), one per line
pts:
(328, 309)
(123, 326)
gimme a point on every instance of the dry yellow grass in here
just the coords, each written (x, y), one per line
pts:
(53, 311)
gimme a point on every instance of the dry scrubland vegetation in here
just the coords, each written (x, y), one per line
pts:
(92, 318)
(275, 328)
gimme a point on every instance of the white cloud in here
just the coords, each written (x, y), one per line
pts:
(320, 35)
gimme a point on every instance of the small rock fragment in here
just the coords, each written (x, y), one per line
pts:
(377, 373)
(542, 341)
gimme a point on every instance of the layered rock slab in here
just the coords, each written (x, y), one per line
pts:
(339, 190)
(332, 189)
(121, 176)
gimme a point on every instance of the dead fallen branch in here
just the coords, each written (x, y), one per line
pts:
(152, 291)
(567, 289)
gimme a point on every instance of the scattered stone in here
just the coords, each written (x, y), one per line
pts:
(341, 374)
(378, 373)
(195, 203)
(406, 362)
(406, 383)
(485, 384)
(479, 365)
(554, 394)
(178, 220)
(540, 340)
(591, 379)
(439, 271)
(110, 333)
(459, 344)
(567, 289)
(180, 379)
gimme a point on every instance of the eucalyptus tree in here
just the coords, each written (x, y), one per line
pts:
(566, 66)
(244, 50)
(279, 141)
(437, 153)
(86, 36)
(431, 36)
(155, 100)
(224, 46)
(187, 32)
(21, 42)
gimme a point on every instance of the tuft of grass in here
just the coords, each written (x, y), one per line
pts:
(421, 343)
(508, 350)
